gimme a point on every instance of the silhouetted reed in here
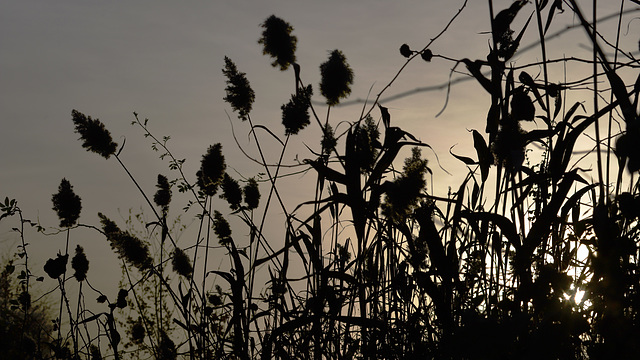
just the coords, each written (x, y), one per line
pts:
(523, 259)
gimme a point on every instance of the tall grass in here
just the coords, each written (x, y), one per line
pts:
(522, 259)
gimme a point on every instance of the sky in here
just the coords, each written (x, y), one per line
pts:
(163, 60)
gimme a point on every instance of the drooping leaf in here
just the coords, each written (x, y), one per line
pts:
(485, 158)
(505, 224)
(464, 159)
(557, 4)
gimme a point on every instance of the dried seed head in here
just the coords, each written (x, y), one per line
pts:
(278, 42)
(80, 264)
(181, 263)
(239, 93)
(367, 141)
(329, 140)
(162, 196)
(295, 114)
(95, 136)
(66, 204)
(251, 194)
(212, 168)
(336, 78)
(231, 192)
(127, 246)
(221, 228)
(403, 194)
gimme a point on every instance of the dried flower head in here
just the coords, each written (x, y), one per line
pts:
(403, 194)
(80, 264)
(162, 196)
(251, 194)
(127, 246)
(66, 204)
(329, 140)
(295, 114)
(336, 78)
(56, 267)
(231, 192)
(239, 93)
(278, 42)
(212, 168)
(367, 142)
(221, 228)
(181, 263)
(95, 136)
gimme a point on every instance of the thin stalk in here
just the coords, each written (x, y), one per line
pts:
(615, 61)
(140, 310)
(204, 282)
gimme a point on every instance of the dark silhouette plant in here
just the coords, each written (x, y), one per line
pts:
(523, 259)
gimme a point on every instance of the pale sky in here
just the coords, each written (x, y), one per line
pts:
(163, 59)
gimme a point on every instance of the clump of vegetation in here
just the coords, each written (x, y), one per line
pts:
(523, 259)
